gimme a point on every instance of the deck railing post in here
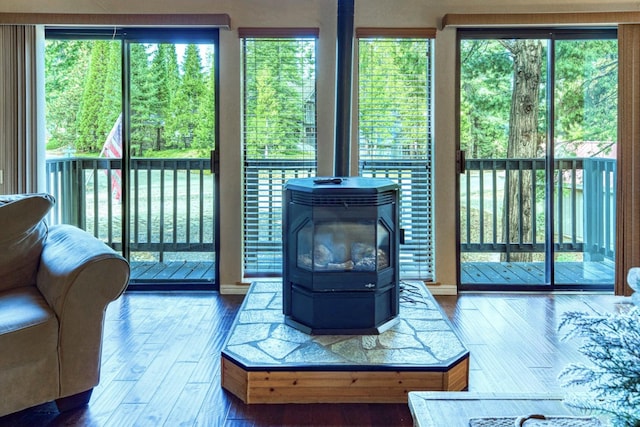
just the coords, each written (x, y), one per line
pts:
(593, 211)
(78, 191)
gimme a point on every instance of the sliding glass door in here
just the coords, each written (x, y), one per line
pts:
(137, 167)
(584, 143)
(170, 135)
(537, 135)
(502, 189)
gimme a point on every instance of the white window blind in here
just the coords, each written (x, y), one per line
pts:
(395, 135)
(279, 135)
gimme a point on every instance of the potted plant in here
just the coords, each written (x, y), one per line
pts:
(610, 383)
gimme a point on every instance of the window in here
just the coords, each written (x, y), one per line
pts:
(395, 135)
(279, 135)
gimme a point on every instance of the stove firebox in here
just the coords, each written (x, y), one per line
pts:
(340, 246)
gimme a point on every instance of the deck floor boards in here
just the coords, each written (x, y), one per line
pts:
(146, 271)
(472, 273)
(532, 273)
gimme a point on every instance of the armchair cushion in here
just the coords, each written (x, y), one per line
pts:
(22, 234)
(28, 349)
(27, 325)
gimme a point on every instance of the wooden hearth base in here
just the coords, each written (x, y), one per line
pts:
(266, 361)
(336, 386)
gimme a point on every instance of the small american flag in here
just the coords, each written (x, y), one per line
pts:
(113, 149)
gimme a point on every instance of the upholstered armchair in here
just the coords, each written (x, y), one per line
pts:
(55, 285)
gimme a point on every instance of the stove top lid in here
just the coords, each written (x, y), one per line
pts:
(327, 184)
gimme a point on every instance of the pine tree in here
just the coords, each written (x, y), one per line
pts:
(204, 136)
(186, 102)
(165, 79)
(378, 109)
(611, 343)
(393, 87)
(90, 137)
(486, 70)
(143, 130)
(586, 95)
(112, 94)
(275, 96)
(66, 64)
(524, 141)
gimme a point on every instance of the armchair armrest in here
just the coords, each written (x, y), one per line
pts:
(79, 276)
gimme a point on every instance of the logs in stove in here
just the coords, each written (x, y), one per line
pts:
(340, 268)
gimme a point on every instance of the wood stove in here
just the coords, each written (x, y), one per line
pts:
(340, 245)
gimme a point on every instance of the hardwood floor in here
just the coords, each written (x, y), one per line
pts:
(161, 362)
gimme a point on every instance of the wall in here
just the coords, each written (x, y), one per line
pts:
(322, 14)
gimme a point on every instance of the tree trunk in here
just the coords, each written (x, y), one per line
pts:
(523, 144)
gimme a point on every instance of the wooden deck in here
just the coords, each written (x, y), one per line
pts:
(532, 273)
(172, 271)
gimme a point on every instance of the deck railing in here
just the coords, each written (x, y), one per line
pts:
(172, 203)
(583, 198)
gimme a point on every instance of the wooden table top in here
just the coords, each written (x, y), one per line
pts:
(455, 409)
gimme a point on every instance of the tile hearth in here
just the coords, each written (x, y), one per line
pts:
(266, 361)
